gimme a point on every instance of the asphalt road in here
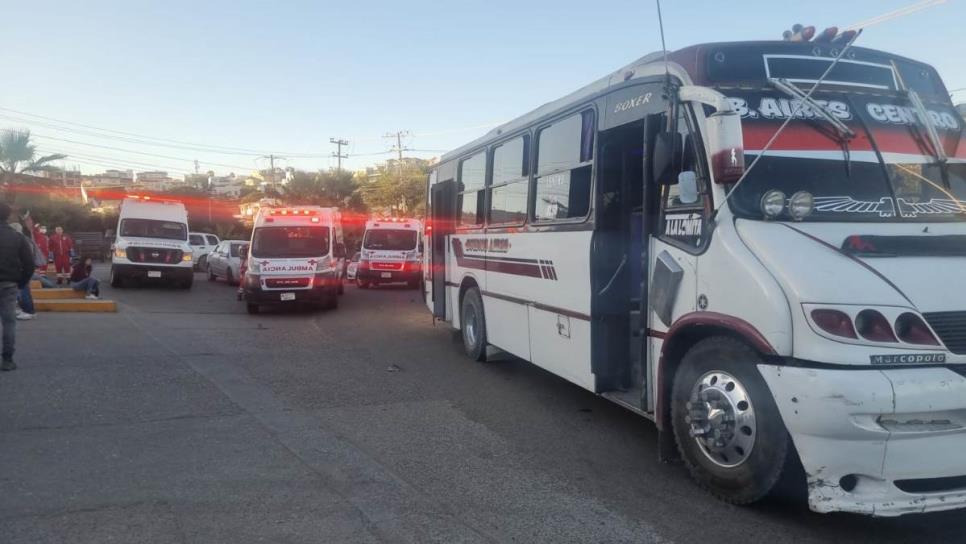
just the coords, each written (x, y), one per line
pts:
(183, 419)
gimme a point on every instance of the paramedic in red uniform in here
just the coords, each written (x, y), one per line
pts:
(62, 248)
(43, 243)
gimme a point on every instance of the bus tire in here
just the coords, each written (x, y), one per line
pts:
(726, 424)
(473, 325)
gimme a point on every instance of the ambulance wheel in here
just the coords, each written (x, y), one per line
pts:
(363, 284)
(331, 302)
(252, 308)
(727, 427)
(473, 325)
(116, 280)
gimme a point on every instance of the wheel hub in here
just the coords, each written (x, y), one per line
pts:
(721, 419)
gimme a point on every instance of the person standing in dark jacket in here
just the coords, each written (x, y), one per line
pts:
(16, 269)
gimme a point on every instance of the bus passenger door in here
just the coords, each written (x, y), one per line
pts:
(681, 207)
(443, 219)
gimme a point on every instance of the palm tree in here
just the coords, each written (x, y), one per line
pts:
(18, 154)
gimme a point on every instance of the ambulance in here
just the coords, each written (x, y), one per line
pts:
(152, 243)
(296, 256)
(391, 252)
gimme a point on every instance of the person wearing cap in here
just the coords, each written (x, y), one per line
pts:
(16, 268)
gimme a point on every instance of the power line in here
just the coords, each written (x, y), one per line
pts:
(233, 166)
(114, 163)
(191, 145)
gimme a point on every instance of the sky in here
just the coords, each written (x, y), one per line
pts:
(257, 78)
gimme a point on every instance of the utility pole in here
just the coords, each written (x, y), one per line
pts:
(196, 167)
(339, 142)
(271, 162)
(398, 135)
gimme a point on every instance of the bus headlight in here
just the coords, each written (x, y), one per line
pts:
(773, 203)
(800, 205)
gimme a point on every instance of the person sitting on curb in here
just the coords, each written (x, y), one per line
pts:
(82, 280)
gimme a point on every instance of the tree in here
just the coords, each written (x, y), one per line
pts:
(18, 154)
(399, 188)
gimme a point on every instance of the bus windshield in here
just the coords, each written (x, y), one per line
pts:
(887, 172)
(290, 242)
(390, 240)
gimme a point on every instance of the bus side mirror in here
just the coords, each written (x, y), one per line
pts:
(668, 151)
(726, 143)
(688, 187)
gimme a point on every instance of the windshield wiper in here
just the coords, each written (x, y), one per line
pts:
(926, 120)
(789, 88)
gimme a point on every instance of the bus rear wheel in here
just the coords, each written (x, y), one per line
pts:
(473, 325)
(726, 424)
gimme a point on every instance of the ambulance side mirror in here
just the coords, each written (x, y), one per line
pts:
(243, 252)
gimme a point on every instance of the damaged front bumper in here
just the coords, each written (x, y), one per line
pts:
(884, 442)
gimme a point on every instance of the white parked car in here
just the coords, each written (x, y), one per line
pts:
(225, 261)
(202, 243)
(350, 273)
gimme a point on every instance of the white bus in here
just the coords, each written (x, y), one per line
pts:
(296, 256)
(805, 317)
(391, 252)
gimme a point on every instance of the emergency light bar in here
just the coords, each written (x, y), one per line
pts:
(287, 211)
(148, 198)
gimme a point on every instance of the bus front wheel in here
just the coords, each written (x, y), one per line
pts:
(473, 325)
(726, 423)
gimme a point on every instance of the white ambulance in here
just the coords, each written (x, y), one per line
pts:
(296, 255)
(152, 243)
(391, 252)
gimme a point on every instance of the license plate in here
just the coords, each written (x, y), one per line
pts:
(386, 274)
(154, 273)
(288, 296)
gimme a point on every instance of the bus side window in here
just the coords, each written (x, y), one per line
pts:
(509, 187)
(683, 210)
(565, 153)
(472, 179)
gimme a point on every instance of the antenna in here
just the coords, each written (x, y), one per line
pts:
(660, 22)
(668, 91)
